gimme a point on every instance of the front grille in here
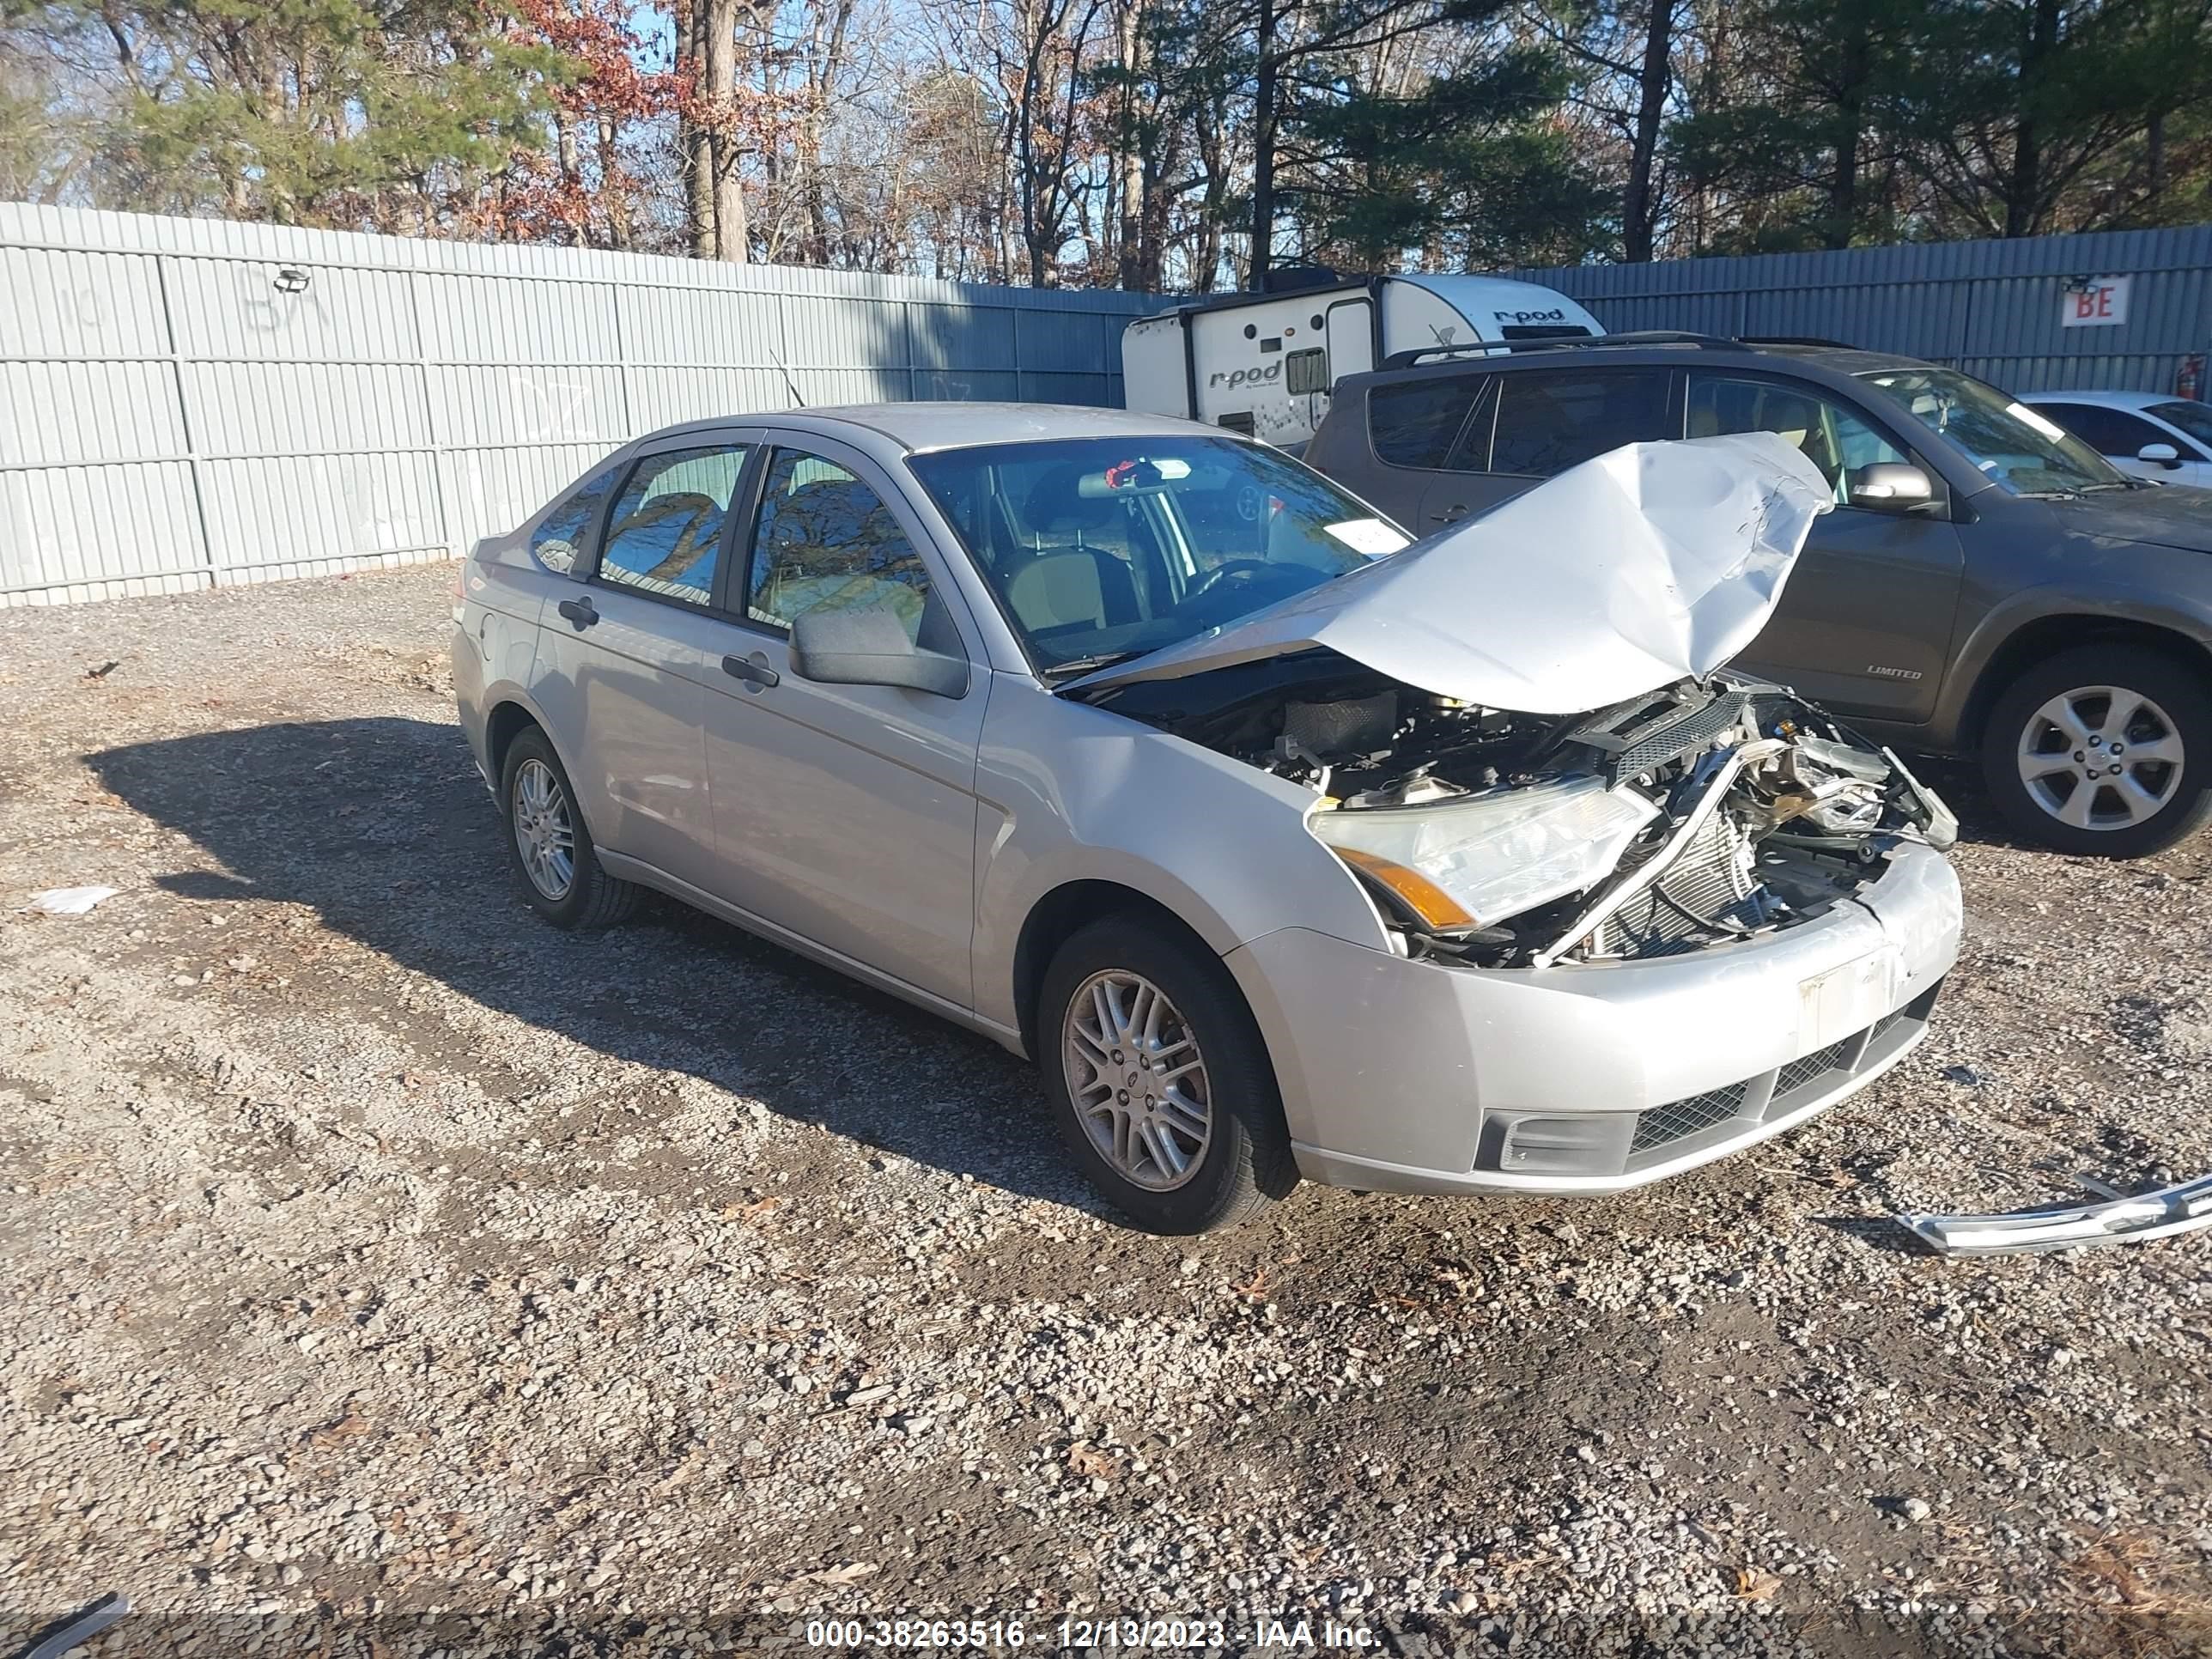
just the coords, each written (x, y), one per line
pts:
(1671, 738)
(1662, 1126)
(1799, 1072)
(1677, 1118)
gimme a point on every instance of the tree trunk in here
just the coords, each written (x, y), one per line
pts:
(2024, 189)
(1853, 73)
(2155, 165)
(694, 138)
(729, 238)
(1638, 211)
(614, 185)
(1130, 232)
(1264, 113)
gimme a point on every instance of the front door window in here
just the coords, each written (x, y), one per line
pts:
(826, 541)
(1830, 435)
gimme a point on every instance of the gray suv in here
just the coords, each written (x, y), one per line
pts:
(1987, 584)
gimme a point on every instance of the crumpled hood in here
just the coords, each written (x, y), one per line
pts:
(1624, 575)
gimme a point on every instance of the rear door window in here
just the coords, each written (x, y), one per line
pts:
(1414, 423)
(665, 536)
(1550, 421)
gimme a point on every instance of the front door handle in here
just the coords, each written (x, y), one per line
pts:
(753, 671)
(581, 612)
(1452, 513)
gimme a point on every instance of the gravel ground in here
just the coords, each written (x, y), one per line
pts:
(383, 1264)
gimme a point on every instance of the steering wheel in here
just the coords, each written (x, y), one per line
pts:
(1243, 570)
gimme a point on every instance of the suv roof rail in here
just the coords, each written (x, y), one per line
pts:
(1797, 339)
(1642, 337)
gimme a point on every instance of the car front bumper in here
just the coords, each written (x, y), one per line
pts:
(1406, 1076)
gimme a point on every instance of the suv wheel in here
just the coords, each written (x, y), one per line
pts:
(1160, 1081)
(550, 848)
(2104, 750)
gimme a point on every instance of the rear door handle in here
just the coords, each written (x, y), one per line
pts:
(752, 670)
(580, 611)
(1452, 513)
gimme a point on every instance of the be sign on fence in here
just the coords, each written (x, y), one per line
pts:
(2094, 303)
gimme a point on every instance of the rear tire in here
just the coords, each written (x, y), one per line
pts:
(2104, 752)
(1159, 1079)
(548, 845)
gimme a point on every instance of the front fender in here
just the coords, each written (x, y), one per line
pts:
(1071, 793)
(2177, 608)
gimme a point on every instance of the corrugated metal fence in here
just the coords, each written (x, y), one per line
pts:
(1991, 307)
(186, 402)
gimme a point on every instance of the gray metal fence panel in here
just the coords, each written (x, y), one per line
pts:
(1990, 307)
(176, 411)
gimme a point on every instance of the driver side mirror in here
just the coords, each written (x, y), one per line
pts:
(1890, 484)
(870, 648)
(2165, 455)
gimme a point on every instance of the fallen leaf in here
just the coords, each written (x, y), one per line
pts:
(351, 1426)
(841, 1575)
(1092, 1464)
(747, 1212)
(1753, 1584)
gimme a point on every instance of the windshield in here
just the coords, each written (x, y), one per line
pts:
(2194, 419)
(2019, 449)
(1105, 548)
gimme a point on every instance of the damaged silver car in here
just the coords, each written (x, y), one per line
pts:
(1285, 849)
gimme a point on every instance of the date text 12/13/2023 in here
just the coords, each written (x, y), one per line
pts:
(1291, 1633)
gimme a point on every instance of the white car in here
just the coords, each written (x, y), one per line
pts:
(2147, 434)
(1285, 848)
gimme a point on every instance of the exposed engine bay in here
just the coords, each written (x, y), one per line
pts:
(1711, 810)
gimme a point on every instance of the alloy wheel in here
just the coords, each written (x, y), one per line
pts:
(2100, 758)
(543, 832)
(1138, 1080)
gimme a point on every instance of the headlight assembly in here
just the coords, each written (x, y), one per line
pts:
(1469, 863)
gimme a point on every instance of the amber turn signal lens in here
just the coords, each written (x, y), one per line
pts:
(1420, 894)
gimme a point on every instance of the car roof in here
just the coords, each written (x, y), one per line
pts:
(1662, 350)
(2102, 399)
(918, 426)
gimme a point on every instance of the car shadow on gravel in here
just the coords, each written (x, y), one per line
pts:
(383, 828)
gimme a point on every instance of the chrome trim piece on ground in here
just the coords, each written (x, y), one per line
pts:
(2161, 1214)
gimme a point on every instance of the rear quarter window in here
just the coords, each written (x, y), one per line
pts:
(1414, 423)
(563, 541)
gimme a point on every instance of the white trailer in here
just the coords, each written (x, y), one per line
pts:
(1264, 363)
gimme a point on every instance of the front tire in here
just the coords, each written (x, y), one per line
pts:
(2103, 751)
(1160, 1081)
(548, 845)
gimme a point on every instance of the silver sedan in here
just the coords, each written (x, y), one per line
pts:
(1285, 849)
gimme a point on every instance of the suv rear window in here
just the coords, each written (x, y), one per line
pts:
(1414, 422)
(1549, 422)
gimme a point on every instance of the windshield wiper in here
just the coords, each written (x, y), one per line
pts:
(1084, 665)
